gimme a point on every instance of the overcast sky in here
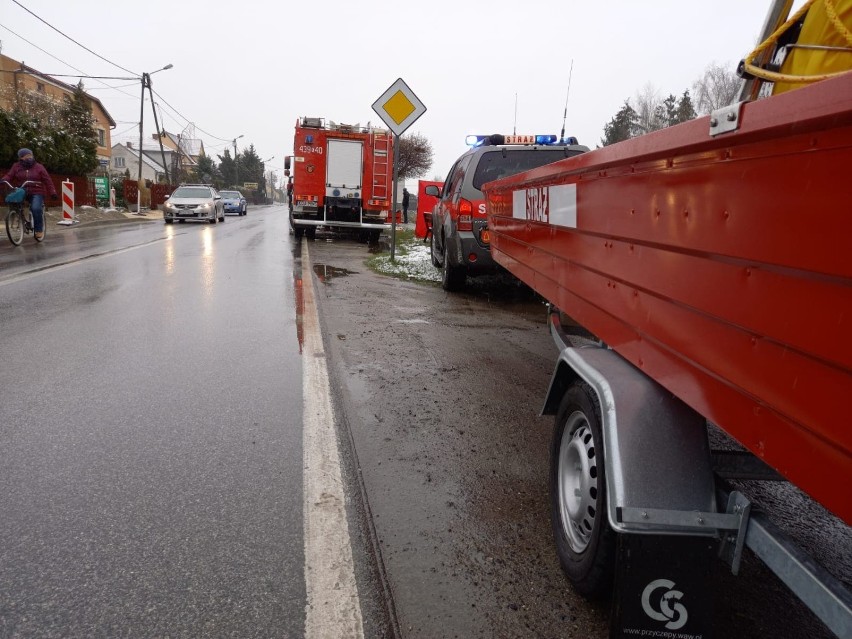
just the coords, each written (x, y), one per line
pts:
(253, 67)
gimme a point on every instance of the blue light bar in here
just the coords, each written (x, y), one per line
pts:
(497, 138)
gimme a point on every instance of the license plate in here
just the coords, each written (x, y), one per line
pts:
(303, 203)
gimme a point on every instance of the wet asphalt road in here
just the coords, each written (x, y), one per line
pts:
(150, 433)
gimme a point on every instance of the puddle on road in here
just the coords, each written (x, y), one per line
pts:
(326, 273)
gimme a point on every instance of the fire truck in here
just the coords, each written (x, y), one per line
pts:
(342, 178)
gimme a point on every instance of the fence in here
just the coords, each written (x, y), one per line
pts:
(158, 192)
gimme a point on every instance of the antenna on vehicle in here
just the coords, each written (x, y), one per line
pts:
(515, 124)
(567, 93)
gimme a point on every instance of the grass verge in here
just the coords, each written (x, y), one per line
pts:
(412, 259)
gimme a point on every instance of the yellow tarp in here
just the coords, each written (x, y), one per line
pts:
(818, 29)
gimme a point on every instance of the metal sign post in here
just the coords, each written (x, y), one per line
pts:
(399, 108)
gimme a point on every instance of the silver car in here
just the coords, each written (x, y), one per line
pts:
(194, 202)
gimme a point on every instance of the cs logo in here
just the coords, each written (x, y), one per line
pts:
(676, 615)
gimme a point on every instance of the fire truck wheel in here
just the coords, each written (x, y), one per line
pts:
(585, 542)
(311, 232)
(298, 231)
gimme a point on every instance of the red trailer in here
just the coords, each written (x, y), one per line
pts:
(342, 178)
(709, 267)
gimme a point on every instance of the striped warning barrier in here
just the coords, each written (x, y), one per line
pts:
(68, 217)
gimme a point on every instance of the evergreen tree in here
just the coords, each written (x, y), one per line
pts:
(77, 141)
(685, 109)
(206, 171)
(622, 126)
(227, 168)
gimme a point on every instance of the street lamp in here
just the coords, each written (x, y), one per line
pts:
(236, 162)
(146, 83)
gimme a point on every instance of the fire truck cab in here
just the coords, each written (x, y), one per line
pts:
(342, 178)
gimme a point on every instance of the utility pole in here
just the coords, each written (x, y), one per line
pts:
(146, 83)
(236, 163)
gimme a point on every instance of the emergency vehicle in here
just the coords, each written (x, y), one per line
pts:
(342, 178)
(459, 237)
(708, 266)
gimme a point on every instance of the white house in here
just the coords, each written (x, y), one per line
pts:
(125, 157)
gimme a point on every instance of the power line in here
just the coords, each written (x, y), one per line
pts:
(74, 41)
(187, 120)
(32, 44)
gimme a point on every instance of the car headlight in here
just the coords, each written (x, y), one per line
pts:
(169, 206)
(205, 206)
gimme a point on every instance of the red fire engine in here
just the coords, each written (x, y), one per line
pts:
(342, 178)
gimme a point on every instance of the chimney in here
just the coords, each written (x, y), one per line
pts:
(129, 145)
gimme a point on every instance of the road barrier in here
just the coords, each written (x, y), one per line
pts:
(68, 217)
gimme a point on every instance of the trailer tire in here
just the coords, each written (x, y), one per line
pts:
(585, 542)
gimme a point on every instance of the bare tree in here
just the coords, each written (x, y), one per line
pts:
(716, 88)
(647, 107)
(415, 156)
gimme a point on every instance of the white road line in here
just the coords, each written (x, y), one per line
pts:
(333, 608)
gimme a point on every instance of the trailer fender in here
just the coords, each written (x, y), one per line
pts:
(658, 467)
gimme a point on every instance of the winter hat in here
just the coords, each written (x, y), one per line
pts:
(24, 152)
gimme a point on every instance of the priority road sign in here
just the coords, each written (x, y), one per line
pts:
(398, 107)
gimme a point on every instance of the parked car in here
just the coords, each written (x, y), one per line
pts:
(459, 240)
(234, 202)
(194, 202)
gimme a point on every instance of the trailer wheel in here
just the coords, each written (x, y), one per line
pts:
(585, 542)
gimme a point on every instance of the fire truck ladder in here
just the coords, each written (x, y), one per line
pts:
(381, 164)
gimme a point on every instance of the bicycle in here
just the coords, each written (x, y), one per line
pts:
(19, 223)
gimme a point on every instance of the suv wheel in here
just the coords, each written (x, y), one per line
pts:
(435, 261)
(452, 277)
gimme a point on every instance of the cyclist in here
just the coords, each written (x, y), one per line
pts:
(26, 168)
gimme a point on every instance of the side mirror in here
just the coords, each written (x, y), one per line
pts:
(286, 164)
(287, 172)
(433, 191)
(217, 197)
(167, 197)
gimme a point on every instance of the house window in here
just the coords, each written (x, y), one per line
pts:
(119, 163)
(40, 87)
(101, 137)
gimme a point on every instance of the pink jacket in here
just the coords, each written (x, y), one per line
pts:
(19, 173)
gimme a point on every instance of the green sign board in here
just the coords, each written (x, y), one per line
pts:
(102, 187)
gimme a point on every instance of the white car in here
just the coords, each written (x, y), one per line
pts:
(194, 202)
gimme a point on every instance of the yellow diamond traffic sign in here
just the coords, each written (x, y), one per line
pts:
(398, 107)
